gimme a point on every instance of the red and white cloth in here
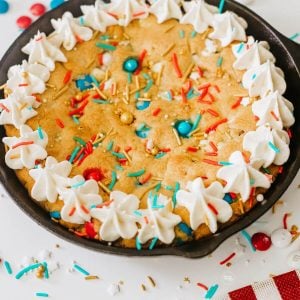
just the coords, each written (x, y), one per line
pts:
(281, 287)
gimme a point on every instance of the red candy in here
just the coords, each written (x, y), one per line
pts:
(93, 173)
(38, 9)
(90, 230)
(261, 241)
(23, 22)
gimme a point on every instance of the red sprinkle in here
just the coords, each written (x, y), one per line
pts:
(237, 103)
(233, 195)
(78, 39)
(72, 211)
(23, 84)
(212, 98)
(213, 146)
(217, 88)
(204, 86)
(204, 92)
(183, 96)
(211, 153)
(156, 112)
(280, 169)
(284, 221)
(202, 286)
(227, 259)
(100, 59)
(216, 125)
(200, 71)
(145, 178)
(4, 107)
(90, 230)
(37, 9)
(24, 22)
(127, 149)
(212, 208)
(192, 149)
(22, 144)
(289, 131)
(211, 162)
(141, 59)
(67, 77)
(213, 112)
(80, 109)
(107, 203)
(165, 150)
(176, 65)
(60, 123)
(146, 220)
(93, 173)
(84, 209)
(138, 14)
(274, 116)
(113, 15)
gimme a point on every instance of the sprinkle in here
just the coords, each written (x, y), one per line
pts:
(46, 271)
(177, 136)
(247, 237)
(212, 208)
(22, 144)
(156, 112)
(110, 146)
(41, 294)
(202, 286)
(185, 228)
(211, 153)
(294, 36)
(74, 153)
(213, 146)
(237, 103)
(129, 78)
(106, 46)
(79, 140)
(196, 122)
(150, 278)
(118, 155)
(221, 6)
(215, 126)
(227, 259)
(138, 244)
(160, 155)
(4, 107)
(142, 285)
(176, 65)
(241, 46)
(136, 174)
(273, 147)
(67, 77)
(177, 188)
(27, 269)
(225, 163)
(193, 34)
(213, 112)
(78, 184)
(141, 60)
(275, 116)
(211, 292)
(183, 96)
(59, 123)
(192, 149)
(113, 180)
(181, 34)
(168, 49)
(148, 86)
(211, 162)
(188, 72)
(200, 71)
(8, 267)
(284, 221)
(81, 270)
(220, 61)
(55, 214)
(152, 245)
(72, 211)
(40, 133)
(137, 213)
(103, 187)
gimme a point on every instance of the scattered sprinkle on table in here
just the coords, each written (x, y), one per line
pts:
(42, 294)
(80, 270)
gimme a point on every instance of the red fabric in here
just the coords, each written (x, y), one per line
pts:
(288, 285)
(245, 293)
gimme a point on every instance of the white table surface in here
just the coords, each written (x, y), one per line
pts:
(21, 237)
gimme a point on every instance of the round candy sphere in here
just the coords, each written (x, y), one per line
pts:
(183, 128)
(4, 7)
(24, 22)
(93, 173)
(37, 9)
(130, 65)
(56, 3)
(261, 241)
(281, 238)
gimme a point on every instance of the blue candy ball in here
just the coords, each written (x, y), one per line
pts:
(56, 3)
(4, 7)
(130, 65)
(184, 128)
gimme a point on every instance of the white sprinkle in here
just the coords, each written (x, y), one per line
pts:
(113, 289)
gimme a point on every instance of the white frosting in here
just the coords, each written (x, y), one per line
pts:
(199, 14)
(17, 109)
(197, 199)
(274, 110)
(68, 32)
(251, 54)
(264, 79)
(42, 51)
(28, 78)
(158, 222)
(228, 27)
(117, 218)
(96, 18)
(126, 10)
(240, 176)
(50, 179)
(260, 144)
(165, 10)
(81, 195)
(210, 47)
(21, 156)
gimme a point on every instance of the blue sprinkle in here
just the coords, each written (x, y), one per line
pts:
(241, 46)
(119, 168)
(94, 80)
(55, 214)
(177, 188)
(228, 198)
(137, 213)
(100, 101)
(181, 34)
(221, 6)
(169, 188)
(110, 146)
(76, 120)
(160, 155)
(193, 34)
(40, 132)
(7, 267)
(78, 184)
(157, 206)
(46, 271)
(129, 77)
(253, 76)
(137, 95)
(185, 228)
(225, 163)
(252, 181)
(273, 147)
(247, 237)
(220, 61)
(169, 95)
(294, 36)
(190, 94)
(153, 243)
(146, 76)
(93, 206)
(81, 21)
(81, 270)
(211, 292)
(148, 86)
(39, 294)
(56, 3)
(113, 180)
(196, 122)
(138, 244)
(104, 37)
(158, 186)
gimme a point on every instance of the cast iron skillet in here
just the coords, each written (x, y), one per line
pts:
(288, 58)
